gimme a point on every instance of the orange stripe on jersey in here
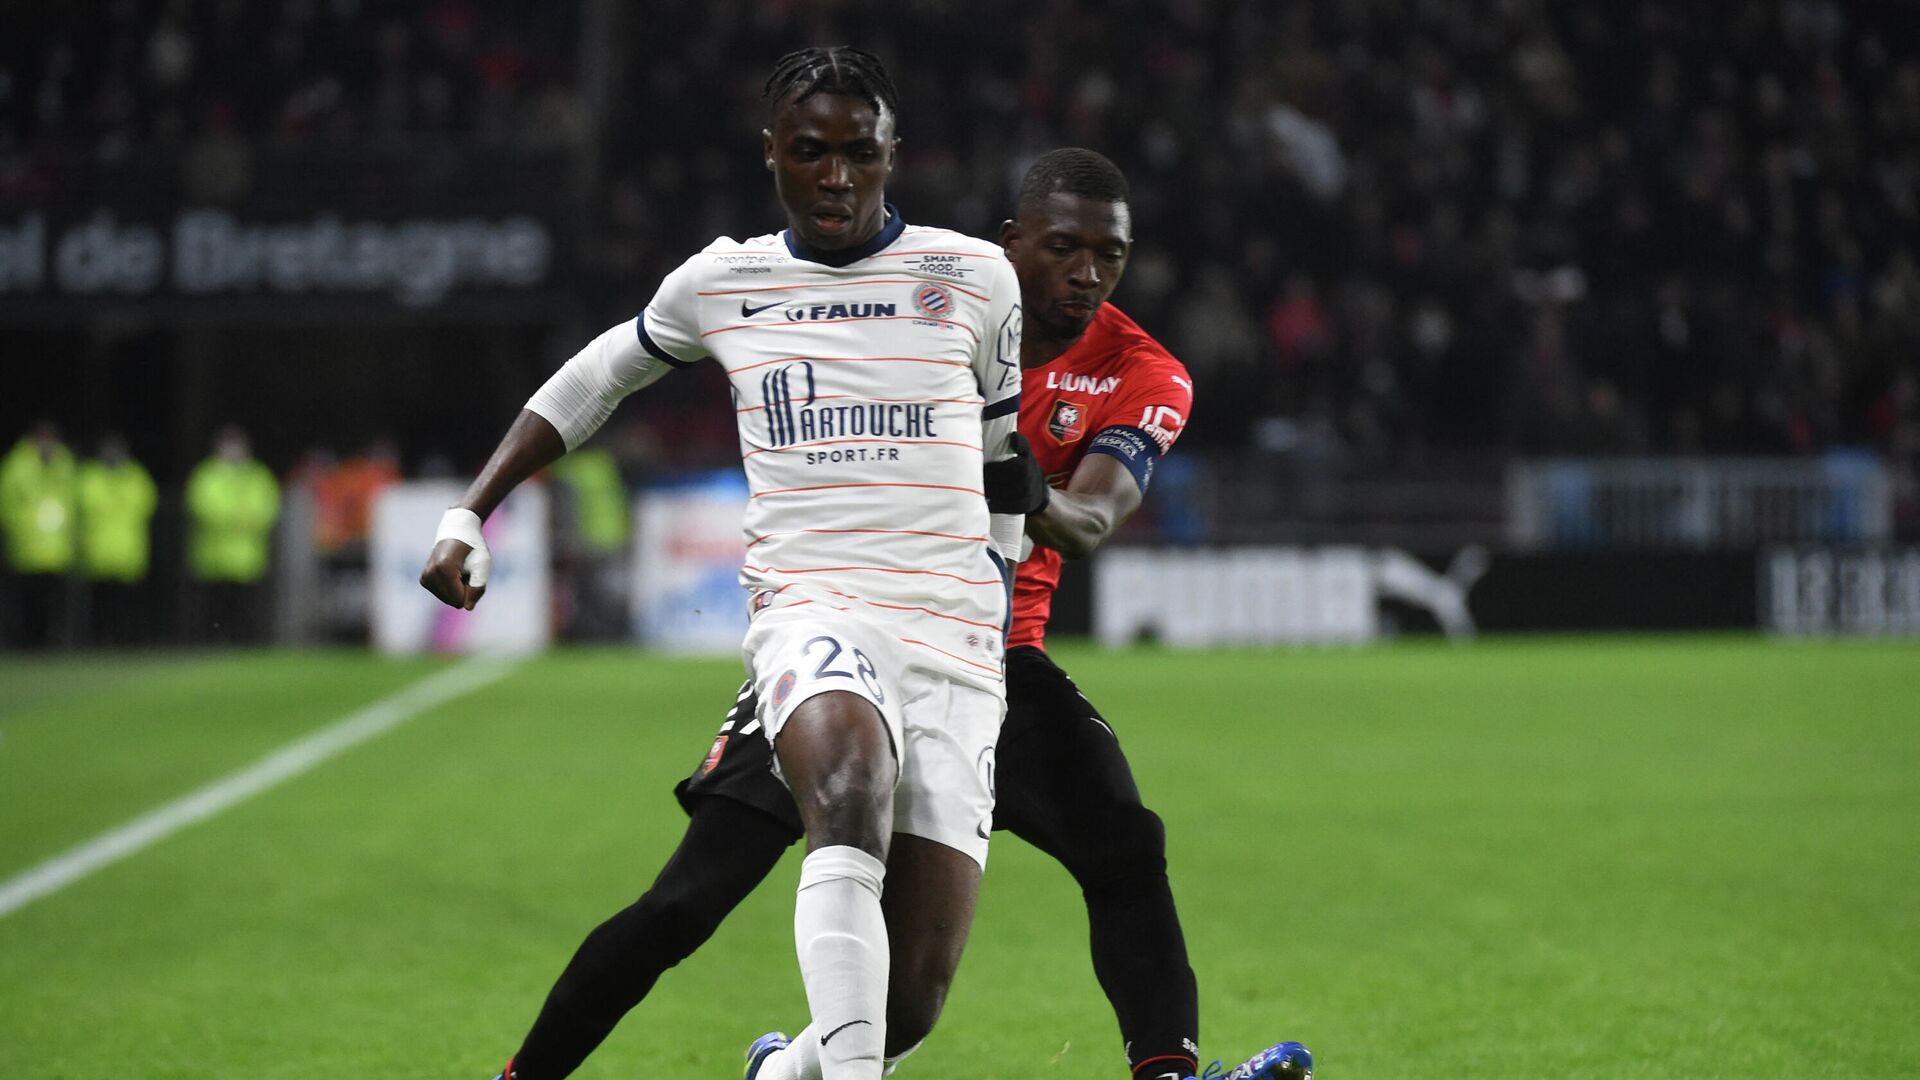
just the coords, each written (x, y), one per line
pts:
(852, 360)
(884, 401)
(832, 487)
(855, 318)
(875, 569)
(831, 442)
(888, 532)
(843, 285)
(962, 659)
(909, 607)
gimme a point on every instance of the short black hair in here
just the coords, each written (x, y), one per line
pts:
(1075, 171)
(833, 69)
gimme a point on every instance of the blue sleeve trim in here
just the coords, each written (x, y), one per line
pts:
(653, 347)
(1134, 447)
(1001, 408)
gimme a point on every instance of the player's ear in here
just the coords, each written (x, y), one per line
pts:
(1009, 233)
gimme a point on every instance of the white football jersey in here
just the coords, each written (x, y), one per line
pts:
(862, 383)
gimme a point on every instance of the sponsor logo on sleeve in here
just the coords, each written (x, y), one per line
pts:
(1163, 424)
(1007, 347)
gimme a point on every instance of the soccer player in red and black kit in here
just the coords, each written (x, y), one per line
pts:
(1101, 402)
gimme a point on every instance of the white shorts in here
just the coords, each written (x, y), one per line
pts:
(943, 727)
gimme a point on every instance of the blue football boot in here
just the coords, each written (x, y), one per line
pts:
(763, 1048)
(1285, 1061)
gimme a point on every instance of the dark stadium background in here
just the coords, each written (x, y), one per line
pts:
(1401, 244)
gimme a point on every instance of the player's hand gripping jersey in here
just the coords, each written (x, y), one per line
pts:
(1115, 391)
(867, 384)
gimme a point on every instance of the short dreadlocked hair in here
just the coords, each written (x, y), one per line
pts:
(1074, 171)
(833, 69)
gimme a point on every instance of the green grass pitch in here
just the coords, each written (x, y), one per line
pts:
(1555, 858)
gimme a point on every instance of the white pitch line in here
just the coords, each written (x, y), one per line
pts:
(283, 764)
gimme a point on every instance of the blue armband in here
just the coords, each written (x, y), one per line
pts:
(1134, 447)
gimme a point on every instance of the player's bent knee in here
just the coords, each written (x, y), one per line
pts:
(676, 923)
(1126, 844)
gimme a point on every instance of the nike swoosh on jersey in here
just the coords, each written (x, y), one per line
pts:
(749, 312)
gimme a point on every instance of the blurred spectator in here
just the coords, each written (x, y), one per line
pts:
(37, 510)
(116, 511)
(601, 516)
(1298, 322)
(596, 521)
(232, 501)
(217, 167)
(343, 492)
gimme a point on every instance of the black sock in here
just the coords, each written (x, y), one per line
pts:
(729, 848)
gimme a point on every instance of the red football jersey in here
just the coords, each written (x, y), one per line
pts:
(1115, 391)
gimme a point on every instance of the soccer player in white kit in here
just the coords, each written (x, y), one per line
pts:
(874, 368)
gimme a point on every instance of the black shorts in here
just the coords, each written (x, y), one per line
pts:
(1060, 770)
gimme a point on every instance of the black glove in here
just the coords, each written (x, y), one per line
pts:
(1016, 485)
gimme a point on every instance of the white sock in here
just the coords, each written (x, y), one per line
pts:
(841, 937)
(799, 1061)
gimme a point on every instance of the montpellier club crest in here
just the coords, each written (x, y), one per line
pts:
(1068, 422)
(783, 688)
(933, 301)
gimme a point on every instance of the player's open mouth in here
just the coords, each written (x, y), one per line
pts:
(830, 222)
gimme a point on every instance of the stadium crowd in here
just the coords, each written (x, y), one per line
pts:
(1396, 227)
(1411, 225)
(118, 75)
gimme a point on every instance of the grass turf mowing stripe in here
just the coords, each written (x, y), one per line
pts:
(289, 761)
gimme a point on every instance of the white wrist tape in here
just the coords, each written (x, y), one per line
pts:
(462, 524)
(1006, 531)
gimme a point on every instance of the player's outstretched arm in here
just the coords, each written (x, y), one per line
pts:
(561, 415)
(453, 573)
(1101, 494)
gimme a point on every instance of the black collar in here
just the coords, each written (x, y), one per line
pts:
(847, 256)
